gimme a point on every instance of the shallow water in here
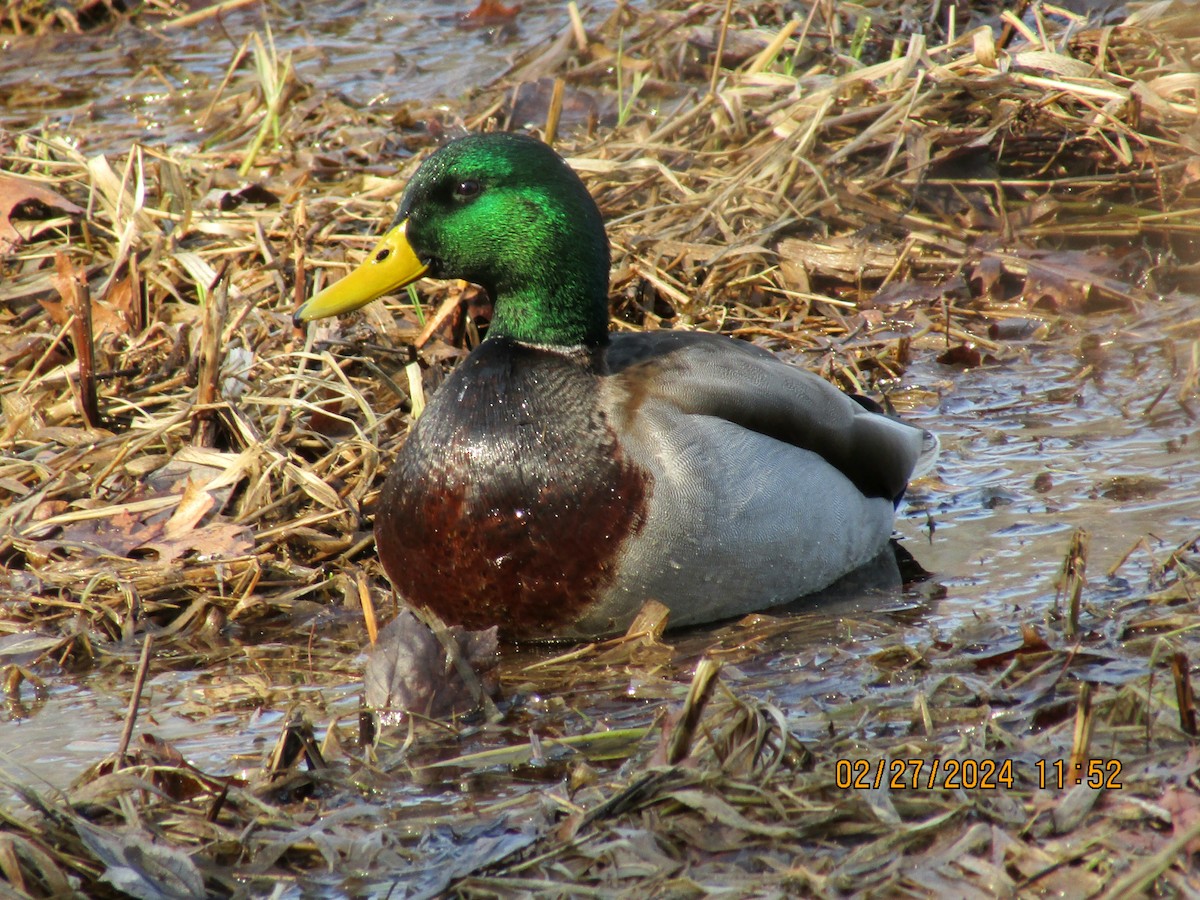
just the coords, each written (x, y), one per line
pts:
(1036, 446)
(152, 85)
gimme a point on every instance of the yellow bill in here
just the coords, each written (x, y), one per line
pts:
(389, 267)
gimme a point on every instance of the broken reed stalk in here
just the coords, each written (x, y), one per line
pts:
(73, 289)
(650, 622)
(1084, 722)
(1073, 577)
(300, 284)
(1184, 697)
(368, 609)
(139, 314)
(577, 27)
(554, 114)
(1007, 32)
(139, 682)
(679, 744)
(208, 389)
(296, 738)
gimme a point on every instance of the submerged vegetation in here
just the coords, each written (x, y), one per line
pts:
(859, 185)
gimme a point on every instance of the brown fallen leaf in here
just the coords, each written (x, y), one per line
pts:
(1127, 488)
(26, 199)
(106, 318)
(167, 539)
(325, 419)
(531, 106)
(900, 293)
(1184, 807)
(965, 355)
(217, 540)
(409, 669)
(113, 535)
(490, 12)
(192, 506)
(1076, 281)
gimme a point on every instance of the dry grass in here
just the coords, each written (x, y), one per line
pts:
(856, 199)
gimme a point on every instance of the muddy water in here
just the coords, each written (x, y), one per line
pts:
(152, 84)
(1073, 430)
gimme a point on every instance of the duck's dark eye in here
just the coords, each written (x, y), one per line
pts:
(467, 189)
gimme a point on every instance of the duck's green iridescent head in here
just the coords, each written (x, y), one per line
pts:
(503, 211)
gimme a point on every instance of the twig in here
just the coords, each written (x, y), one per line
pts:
(716, 69)
(131, 714)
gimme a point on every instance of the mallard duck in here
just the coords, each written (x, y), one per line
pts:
(562, 475)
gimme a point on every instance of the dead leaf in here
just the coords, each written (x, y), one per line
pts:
(106, 318)
(49, 509)
(965, 355)
(531, 105)
(24, 198)
(1018, 329)
(1126, 488)
(841, 258)
(113, 535)
(899, 293)
(137, 865)
(192, 507)
(25, 647)
(490, 12)
(326, 419)
(217, 540)
(409, 669)
(123, 300)
(1075, 281)
(986, 278)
